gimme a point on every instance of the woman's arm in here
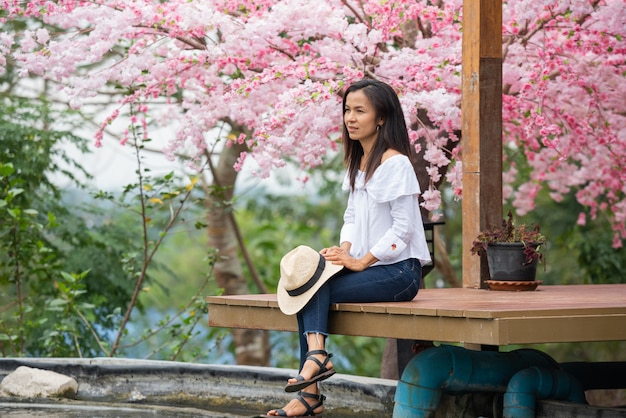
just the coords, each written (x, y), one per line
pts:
(396, 238)
(346, 236)
(339, 256)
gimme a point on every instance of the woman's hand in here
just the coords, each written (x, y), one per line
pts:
(339, 256)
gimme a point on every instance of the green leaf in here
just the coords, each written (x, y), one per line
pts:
(57, 302)
(15, 192)
(6, 169)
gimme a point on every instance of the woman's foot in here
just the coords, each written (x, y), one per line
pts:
(306, 404)
(316, 368)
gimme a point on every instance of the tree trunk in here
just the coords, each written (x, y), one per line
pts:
(252, 346)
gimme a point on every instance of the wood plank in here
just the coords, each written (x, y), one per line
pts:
(245, 300)
(551, 314)
(250, 317)
(432, 328)
(547, 300)
(563, 329)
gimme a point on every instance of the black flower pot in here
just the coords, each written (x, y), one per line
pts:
(507, 262)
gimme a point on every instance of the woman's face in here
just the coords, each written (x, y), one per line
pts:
(359, 116)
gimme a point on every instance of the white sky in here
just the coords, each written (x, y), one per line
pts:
(113, 167)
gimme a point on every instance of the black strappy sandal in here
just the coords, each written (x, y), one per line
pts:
(323, 373)
(310, 409)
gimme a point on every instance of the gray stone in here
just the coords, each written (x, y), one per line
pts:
(26, 382)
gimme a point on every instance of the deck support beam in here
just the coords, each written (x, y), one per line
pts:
(481, 113)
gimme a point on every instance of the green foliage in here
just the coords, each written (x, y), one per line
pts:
(276, 224)
(157, 204)
(30, 211)
(579, 255)
(24, 259)
(71, 319)
(174, 327)
(35, 149)
(597, 258)
(131, 228)
(48, 309)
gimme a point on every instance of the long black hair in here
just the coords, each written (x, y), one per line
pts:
(392, 134)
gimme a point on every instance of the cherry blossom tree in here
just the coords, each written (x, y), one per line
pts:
(276, 69)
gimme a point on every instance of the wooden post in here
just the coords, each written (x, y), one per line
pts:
(481, 109)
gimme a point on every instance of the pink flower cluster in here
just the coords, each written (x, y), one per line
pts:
(276, 69)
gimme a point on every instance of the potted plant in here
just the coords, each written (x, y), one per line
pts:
(513, 251)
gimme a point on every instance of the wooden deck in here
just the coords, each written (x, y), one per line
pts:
(572, 313)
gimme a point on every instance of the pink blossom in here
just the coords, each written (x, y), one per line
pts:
(278, 73)
(42, 36)
(432, 199)
(455, 178)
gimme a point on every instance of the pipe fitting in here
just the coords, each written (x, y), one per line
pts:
(457, 370)
(533, 383)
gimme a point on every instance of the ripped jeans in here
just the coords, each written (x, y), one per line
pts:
(381, 283)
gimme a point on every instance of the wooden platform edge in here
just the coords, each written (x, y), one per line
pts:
(577, 313)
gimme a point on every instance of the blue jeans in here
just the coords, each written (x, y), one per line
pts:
(385, 283)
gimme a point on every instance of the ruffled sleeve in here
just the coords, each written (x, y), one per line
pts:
(392, 179)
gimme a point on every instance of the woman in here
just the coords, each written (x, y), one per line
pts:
(382, 248)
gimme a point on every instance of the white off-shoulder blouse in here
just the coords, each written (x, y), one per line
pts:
(383, 216)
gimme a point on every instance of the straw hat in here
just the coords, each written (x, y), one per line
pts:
(302, 272)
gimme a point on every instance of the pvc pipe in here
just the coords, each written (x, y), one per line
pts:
(537, 376)
(456, 369)
(533, 383)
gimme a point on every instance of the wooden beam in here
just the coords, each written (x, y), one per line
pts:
(481, 113)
